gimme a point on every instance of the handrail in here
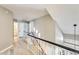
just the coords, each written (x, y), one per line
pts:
(41, 47)
(43, 52)
(67, 48)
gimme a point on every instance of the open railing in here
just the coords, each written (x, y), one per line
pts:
(39, 46)
(58, 48)
(42, 51)
(34, 46)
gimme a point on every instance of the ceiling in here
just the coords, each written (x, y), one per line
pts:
(64, 15)
(25, 11)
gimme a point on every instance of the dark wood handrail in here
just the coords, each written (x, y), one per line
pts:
(64, 47)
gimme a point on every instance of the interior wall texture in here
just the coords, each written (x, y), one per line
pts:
(46, 27)
(58, 34)
(58, 39)
(6, 28)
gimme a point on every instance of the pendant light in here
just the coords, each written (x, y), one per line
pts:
(75, 35)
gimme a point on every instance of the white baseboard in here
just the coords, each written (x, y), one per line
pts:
(6, 49)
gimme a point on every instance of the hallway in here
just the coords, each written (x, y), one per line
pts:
(49, 23)
(21, 49)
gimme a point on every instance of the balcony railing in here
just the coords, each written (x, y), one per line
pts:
(62, 49)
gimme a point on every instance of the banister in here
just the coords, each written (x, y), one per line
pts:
(62, 46)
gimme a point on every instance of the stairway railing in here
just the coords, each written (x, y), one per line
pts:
(35, 45)
(52, 43)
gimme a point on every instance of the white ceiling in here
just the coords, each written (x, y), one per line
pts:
(25, 12)
(64, 15)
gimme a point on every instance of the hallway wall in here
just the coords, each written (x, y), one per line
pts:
(46, 27)
(6, 28)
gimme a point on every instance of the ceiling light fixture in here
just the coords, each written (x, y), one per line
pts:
(75, 35)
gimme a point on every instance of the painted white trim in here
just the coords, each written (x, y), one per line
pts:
(4, 50)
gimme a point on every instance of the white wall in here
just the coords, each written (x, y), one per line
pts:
(6, 28)
(46, 27)
(58, 38)
(58, 34)
(58, 31)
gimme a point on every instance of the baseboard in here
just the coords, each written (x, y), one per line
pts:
(4, 50)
